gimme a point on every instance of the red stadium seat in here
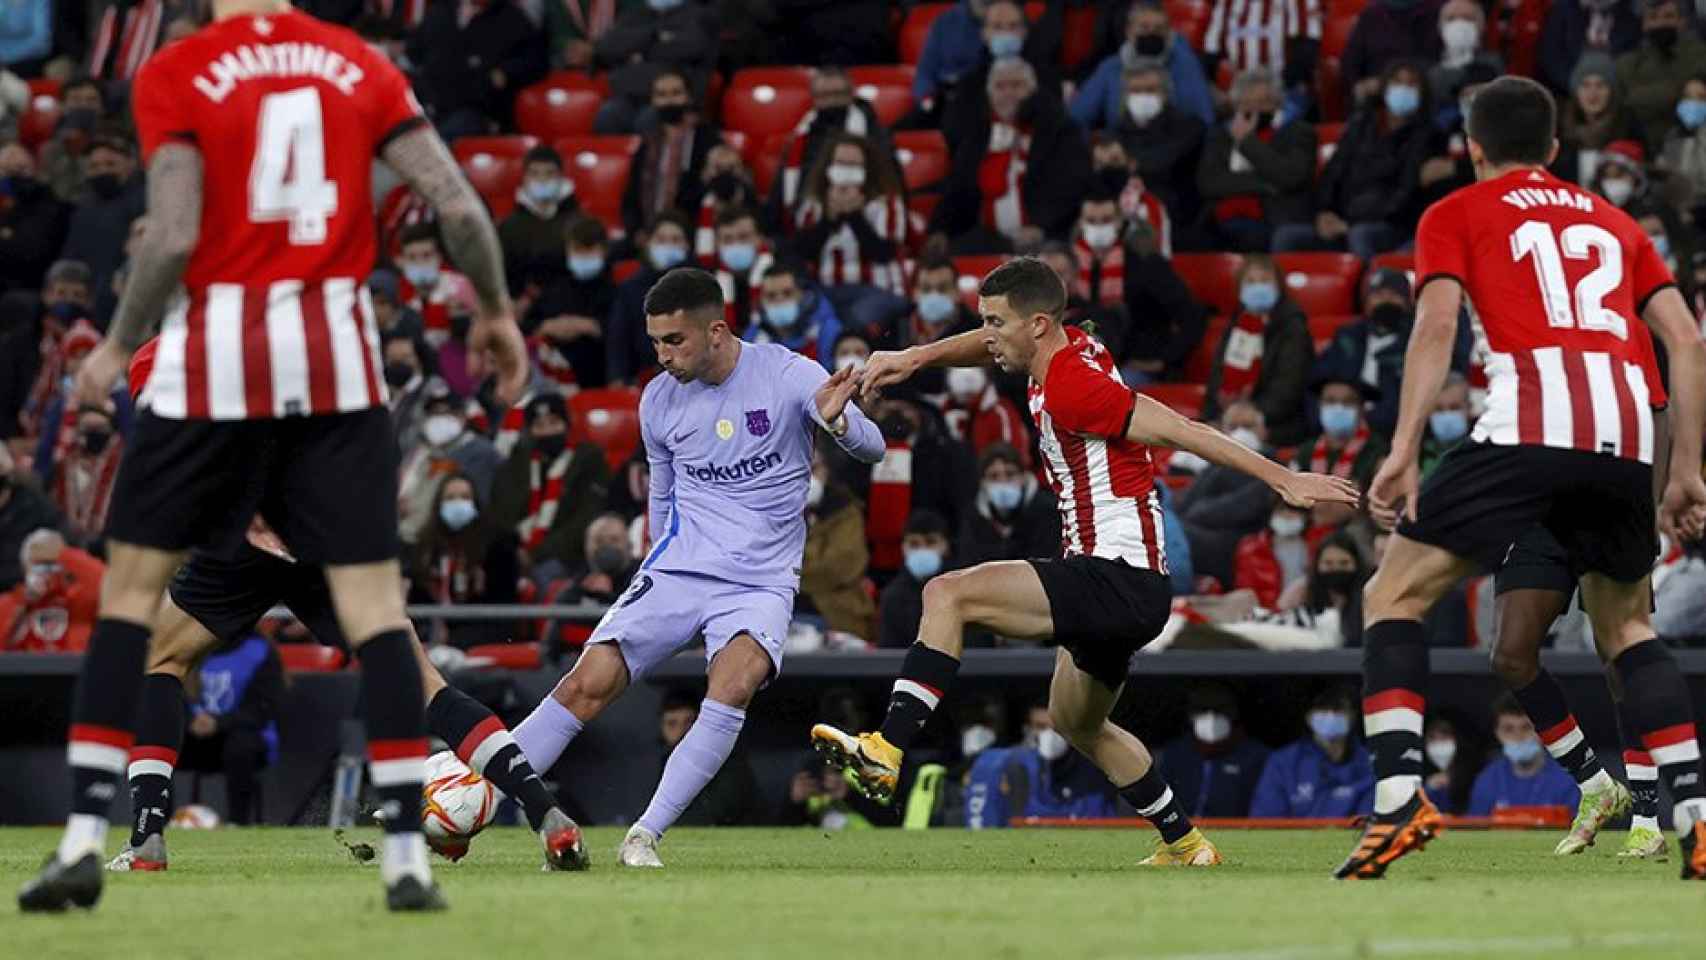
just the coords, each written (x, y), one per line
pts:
(1321, 282)
(1201, 361)
(621, 270)
(887, 88)
(766, 160)
(1190, 18)
(923, 156)
(1322, 327)
(36, 123)
(1078, 41)
(923, 204)
(310, 658)
(1326, 141)
(506, 656)
(608, 418)
(599, 167)
(915, 29)
(1186, 398)
(764, 100)
(972, 271)
(1210, 278)
(494, 166)
(1336, 32)
(561, 105)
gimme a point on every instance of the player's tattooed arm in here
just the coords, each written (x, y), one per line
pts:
(174, 224)
(422, 160)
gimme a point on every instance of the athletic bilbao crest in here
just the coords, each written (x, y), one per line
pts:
(758, 422)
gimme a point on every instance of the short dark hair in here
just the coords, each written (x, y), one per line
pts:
(1004, 452)
(680, 698)
(934, 262)
(587, 232)
(1030, 286)
(416, 232)
(735, 214)
(1099, 194)
(688, 289)
(926, 523)
(786, 267)
(543, 153)
(1514, 120)
(673, 216)
(1507, 706)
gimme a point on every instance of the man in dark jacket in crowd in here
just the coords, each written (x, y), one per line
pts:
(1385, 32)
(644, 40)
(33, 221)
(1225, 505)
(1254, 177)
(100, 224)
(1014, 516)
(1213, 769)
(548, 492)
(570, 314)
(473, 59)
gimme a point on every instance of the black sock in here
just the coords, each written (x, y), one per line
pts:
(1155, 802)
(102, 714)
(1394, 676)
(1543, 701)
(1658, 698)
(926, 675)
(485, 745)
(159, 735)
(1638, 768)
(396, 727)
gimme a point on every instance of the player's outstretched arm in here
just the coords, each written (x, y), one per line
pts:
(1683, 509)
(887, 367)
(1156, 424)
(835, 411)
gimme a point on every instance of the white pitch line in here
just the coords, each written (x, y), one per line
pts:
(1437, 948)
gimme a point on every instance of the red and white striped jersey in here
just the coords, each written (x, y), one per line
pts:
(1558, 279)
(1252, 33)
(288, 113)
(1105, 483)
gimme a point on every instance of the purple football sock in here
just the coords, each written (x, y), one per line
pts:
(546, 733)
(696, 759)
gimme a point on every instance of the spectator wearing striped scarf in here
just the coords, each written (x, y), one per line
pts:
(83, 478)
(835, 112)
(548, 492)
(728, 186)
(664, 174)
(463, 557)
(851, 223)
(743, 254)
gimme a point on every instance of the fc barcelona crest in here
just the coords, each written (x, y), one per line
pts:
(758, 422)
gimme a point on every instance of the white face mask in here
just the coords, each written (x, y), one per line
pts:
(1100, 236)
(1211, 727)
(854, 360)
(975, 739)
(1051, 744)
(846, 175)
(1460, 35)
(1143, 107)
(441, 428)
(814, 491)
(1246, 437)
(1618, 190)
(1441, 753)
(966, 382)
(1286, 525)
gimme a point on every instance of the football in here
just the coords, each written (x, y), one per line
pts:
(456, 804)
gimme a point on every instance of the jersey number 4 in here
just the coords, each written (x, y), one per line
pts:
(1585, 307)
(288, 179)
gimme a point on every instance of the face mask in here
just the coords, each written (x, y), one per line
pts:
(738, 257)
(1661, 246)
(1258, 297)
(725, 186)
(441, 428)
(666, 255)
(550, 447)
(1329, 724)
(1113, 178)
(1338, 419)
(585, 268)
(854, 360)
(966, 382)
(5, 482)
(397, 374)
(1448, 426)
(1004, 497)
(1101, 236)
(1006, 44)
(895, 426)
(1051, 745)
(923, 563)
(1691, 113)
(1460, 35)
(662, 5)
(609, 559)
(1663, 38)
(1617, 190)
(783, 315)
(1211, 727)
(1285, 525)
(1143, 107)
(105, 185)
(976, 739)
(1246, 438)
(1337, 581)
(935, 307)
(832, 118)
(96, 441)
(1402, 99)
(459, 327)
(1149, 44)
(814, 491)
(421, 276)
(41, 578)
(1388, 316)
(544, 192)
(64, 311)
(1264, 120)
(1523, 752)
(1441, 753)
(671, 114)
(457, 514)
(846, 175)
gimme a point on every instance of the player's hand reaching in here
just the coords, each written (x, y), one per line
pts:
(833, 396)
(1394, 490)
(496, 334)
(1682, 514)
(100, 371)
(1305, 490)
(884, 368)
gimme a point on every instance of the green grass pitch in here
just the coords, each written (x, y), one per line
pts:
(236, 894)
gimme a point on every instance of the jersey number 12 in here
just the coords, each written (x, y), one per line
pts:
(288, 179)
(1585, 308)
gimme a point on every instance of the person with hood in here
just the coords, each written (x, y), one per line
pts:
(444, 445)
(1651, 75)
(796, 314)
(1149, 36)
(1462, 34)
(1592, 119)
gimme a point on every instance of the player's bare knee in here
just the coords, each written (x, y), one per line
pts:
(944, 593)
(1070, 722)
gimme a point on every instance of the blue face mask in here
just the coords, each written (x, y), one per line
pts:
(1329, 724)
(1661, 246)
(421, 276)
(935, 307)
(1004, 497)
(66, 311)
(783, 315)
(1258, 297)
(1338, 419)
(666, 255)
(543, 191)
(457, 514)
(662, 5)
(1006, 44)
(923, 563)
(1402, 99)
(1522, 753)
(738, 257)
(1691, 113)
(1448, 426)
(585, 268)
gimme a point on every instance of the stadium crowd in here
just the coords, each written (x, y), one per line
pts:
(1228, 188)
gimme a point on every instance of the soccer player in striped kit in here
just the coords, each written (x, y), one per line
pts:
(259, 132)
(1108, 594)
(1557, 277)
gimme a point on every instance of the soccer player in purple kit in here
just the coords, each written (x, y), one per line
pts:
(729, 435)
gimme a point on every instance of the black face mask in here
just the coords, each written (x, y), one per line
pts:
(1388, 317)
(1664, 38)
(725, 187)
(671, 114)
(96, 441)
(1113, 179)
(1339, 581)
(550, 446)
(459, 327)
(1265, 120)
(609, 559)
(1149, 45)
(895, 426)
(397, 374)
(5, 483)
(834, 118)
(106, 185)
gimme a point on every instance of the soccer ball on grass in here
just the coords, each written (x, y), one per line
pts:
(456, 804)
